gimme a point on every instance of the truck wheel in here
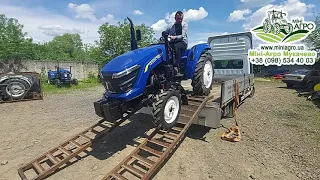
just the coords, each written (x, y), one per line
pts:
(166, 109)
(15, 89)
(203, 75)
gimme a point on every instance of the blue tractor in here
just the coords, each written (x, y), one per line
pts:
(146, 77)
(61, 77)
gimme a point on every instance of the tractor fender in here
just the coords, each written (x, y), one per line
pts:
(194, 56)
(6, 77)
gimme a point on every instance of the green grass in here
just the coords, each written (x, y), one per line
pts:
(267, 79)
(83, 84)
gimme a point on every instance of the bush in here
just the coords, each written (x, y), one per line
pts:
(92, 78)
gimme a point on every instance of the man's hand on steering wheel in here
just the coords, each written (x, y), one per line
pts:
(172, 37)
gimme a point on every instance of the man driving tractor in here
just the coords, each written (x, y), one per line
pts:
(178, 33)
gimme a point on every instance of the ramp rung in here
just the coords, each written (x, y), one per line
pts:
(133, 170)
(195, 99)
(170, 136)
(186, 108)
(160, 143)
(85, 137)
(184, 115)
(75, 143)
(53, 159)
(64, 151)
(38, 167)
(177, 128)
(144, 160)
(118, 176)
(195, 104)
(150, 150)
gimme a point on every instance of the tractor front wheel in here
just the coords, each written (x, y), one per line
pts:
(58, 83)
(75, 82)
(276, 28)
(203, 76)
(166, 109)
(289, 28)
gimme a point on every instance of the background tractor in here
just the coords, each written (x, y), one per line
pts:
(275, 22)
(61, 77)
(146, 77)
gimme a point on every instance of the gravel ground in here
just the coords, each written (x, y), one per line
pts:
(280, 138)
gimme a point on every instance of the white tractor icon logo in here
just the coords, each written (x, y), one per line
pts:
(275, 22)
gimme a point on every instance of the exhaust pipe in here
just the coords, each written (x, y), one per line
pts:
(133, 36)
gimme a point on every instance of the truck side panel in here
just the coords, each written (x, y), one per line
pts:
(227, 88)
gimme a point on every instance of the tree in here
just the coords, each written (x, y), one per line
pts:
(65, 47)
(13, 42)
(313, 40)
(115, 40)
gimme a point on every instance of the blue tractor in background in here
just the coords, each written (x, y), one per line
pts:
(61, 77)
(146, 77)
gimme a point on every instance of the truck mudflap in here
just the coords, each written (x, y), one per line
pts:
(110, 110)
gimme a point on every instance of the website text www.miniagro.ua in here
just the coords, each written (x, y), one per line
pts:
(283, 47)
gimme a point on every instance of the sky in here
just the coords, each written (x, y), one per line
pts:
(45, 19)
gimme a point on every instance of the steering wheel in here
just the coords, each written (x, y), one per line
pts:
(162, 39)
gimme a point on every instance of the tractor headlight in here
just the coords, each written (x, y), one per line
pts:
(123, 81)
(125, 72)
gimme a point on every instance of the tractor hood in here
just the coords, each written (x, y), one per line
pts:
(130, 59)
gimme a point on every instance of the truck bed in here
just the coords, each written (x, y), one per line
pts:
(225, 84)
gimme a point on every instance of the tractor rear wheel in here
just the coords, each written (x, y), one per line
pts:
(166, 109)
(267, 27)
(203, 76)
(276, 28)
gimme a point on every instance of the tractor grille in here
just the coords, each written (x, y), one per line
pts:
(120, 85)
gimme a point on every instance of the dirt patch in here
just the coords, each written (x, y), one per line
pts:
(280, 138)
